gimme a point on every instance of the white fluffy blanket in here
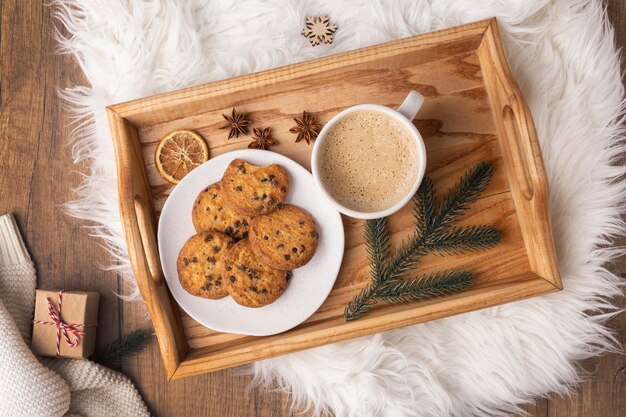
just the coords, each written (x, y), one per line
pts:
(484, 363)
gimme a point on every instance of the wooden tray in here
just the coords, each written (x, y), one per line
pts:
(474, 111)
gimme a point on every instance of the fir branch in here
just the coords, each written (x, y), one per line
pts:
(454, 205)
(460, 240)
(377, 244)
(432, 234)
(437, 284)
(458, 199)
(125, 346)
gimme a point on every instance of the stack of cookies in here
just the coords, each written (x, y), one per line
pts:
(248, 240)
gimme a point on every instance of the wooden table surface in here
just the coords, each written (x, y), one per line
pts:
(38, 175)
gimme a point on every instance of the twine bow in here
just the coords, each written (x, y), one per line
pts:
(63, 328)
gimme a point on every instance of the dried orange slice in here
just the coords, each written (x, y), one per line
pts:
(178, 153)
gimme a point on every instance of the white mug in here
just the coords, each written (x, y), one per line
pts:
(404, 115)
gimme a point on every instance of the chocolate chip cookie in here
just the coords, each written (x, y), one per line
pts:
(210, 212)
(250, 190)
(251, 282)
(286, 238)
(200, 264)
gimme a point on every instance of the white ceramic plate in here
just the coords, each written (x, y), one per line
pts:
(309, 285)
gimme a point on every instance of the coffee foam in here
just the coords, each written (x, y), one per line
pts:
(368, 161)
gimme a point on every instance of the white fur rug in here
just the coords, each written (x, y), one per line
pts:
(484, 363)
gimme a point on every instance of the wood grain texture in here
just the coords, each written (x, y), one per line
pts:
(37, 161)
(34, 134)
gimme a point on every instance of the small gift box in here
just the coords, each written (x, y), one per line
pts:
(65, 323)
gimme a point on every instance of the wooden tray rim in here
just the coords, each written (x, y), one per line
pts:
(138, 215)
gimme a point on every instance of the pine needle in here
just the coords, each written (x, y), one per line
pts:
(377, 244)
(436, 284)
(424, 206)
(405, 257)
(458, 199)
(464, 239)
(360, 304)
(125, 346)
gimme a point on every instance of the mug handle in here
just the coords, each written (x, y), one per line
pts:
(411, 105)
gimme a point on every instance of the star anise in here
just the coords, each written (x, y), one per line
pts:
(236, 123)
(306, 128)
(262, 139)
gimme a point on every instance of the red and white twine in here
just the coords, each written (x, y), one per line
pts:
(63, 328)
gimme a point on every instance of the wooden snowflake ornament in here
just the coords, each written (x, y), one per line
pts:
(319, 29)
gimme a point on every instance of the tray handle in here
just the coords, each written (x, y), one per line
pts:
(517, 127)
(147, 234)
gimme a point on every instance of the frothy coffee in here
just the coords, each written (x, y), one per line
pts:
(368, 161)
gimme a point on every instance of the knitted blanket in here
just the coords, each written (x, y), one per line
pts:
(563, 56)
(38, 387)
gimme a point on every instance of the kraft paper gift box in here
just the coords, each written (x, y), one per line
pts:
(79, 313)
